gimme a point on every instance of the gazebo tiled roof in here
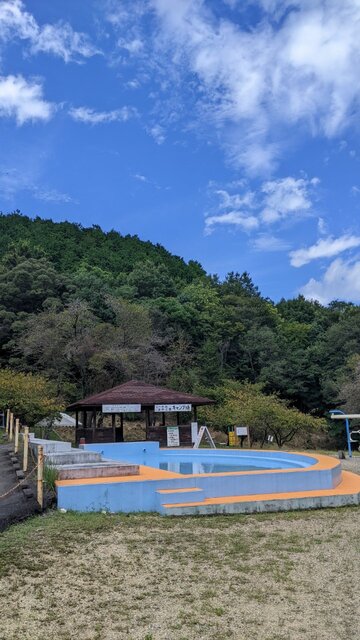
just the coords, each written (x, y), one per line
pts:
(135, 392)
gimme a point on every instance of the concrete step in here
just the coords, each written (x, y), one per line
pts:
(50, 446)
(175, 496)
(73, 456)
(28, 493)
(106, 469)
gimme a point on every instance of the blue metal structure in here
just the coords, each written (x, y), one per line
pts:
(338, 412)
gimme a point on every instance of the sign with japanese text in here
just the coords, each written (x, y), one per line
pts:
(173, 438)
(121, 408)
(167, 408)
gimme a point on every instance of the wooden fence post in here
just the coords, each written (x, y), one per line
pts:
(7, 421)
(16, 443)
(11, 429)
(26, 448)
(40, 477)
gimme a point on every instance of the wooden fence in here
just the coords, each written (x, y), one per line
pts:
(18, 436)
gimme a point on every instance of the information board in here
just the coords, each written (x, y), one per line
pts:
(167, 408)
(241, 431)
(173, 437)
(121, 408)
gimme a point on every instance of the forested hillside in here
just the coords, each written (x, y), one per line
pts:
(90, 309)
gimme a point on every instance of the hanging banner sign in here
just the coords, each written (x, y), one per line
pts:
(167, 408)
(173, 438)
(121, 408)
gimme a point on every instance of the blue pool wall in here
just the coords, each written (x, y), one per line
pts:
(149, 452)
(140, 495)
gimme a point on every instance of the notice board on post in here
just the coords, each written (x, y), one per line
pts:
(241, 431)
(172, 436)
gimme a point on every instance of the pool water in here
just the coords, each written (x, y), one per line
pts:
(189, 462)
(198, 466)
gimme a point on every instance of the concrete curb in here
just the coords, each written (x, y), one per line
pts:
(266, 506)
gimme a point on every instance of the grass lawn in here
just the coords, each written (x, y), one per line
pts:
(101, 577)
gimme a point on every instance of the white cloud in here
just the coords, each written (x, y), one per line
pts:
(265, 242)
(90, 116)
(140, 177)
(59, 39)
(158, 133)
(295, 70)
(324, 248)
(14, 181)
(23, 100)
(286, 196)
(274, 201)
(233, 218)
(340, 281)
(133, 84)
(133, 46)
(145, 180)
(51, 195)
(322, 226)
(235, 200)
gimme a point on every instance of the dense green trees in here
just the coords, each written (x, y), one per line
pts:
(29, 396)
(89, 309)
(265, 415)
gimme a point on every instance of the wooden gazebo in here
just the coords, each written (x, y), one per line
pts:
(134, 397)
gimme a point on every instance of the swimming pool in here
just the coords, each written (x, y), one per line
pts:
(200, 461)
(182, 481)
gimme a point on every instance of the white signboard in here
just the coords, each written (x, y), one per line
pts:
(173, 438)
(167, 408)
(121, 408)
(241, 431)
(194, 431)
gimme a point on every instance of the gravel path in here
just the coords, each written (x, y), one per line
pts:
(351, 464)
(14, 506)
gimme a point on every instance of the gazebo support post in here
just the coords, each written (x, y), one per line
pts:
(147, 422)
(76, 426)
(113, 424)
(163, 419)
(195, 414)
(84, 416)
(93, 424)
(121, 427)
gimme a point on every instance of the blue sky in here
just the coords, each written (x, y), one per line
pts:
(226, 130)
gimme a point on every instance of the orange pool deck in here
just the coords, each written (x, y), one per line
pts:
(151, 473)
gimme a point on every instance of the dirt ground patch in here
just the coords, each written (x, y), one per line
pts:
(147, 577)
